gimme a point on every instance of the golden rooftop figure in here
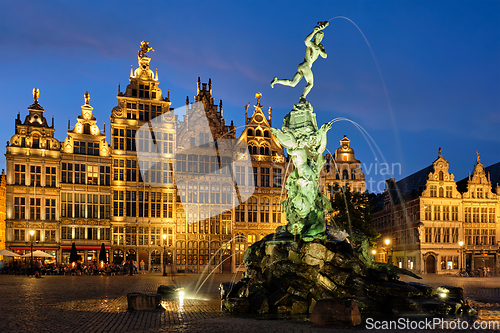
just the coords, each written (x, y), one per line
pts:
(145, 48)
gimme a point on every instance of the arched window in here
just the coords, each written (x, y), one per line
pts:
(262, 150)
(250, 132)
(337, 176)
(266, 133)
(353, 174)
(441, 175)
(258, 133)
(266, 151)
(254, 150)
(345, 174)
(441, 192)
(36, 141)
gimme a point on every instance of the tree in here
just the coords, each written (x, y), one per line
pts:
(352, 211)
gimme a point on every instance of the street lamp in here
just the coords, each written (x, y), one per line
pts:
(461, 243)
(164, 243)
(32, 232)
(387, 242)
(374, 252)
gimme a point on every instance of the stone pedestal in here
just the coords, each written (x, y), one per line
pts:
(329, 312)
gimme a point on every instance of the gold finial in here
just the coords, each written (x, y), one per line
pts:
(439, 152)
(478, 159)
(36, 94)
(258, 96)
(145, 48)
(87, 98)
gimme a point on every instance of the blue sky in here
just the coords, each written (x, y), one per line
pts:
(440, 61)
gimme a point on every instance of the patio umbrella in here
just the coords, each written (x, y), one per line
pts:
(73, 256)
(102, 253)
(38, 254)
(8, 253)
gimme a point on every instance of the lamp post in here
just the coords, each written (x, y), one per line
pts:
(32, 232)
(164, 240)
(387, 242)
(461, 255)
(374, 252)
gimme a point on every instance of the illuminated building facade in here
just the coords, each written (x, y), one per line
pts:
(342, 169)
(3, 208)
(261, 214)
(142, 194)
(33, 164)
(426, 217)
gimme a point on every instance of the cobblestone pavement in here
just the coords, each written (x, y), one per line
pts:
(99, 304)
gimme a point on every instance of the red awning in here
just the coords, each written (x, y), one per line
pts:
(85, 247)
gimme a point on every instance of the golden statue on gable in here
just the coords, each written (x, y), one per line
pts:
(145, 48)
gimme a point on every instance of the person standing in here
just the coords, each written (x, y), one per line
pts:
(143, 267)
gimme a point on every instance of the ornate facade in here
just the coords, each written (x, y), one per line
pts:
(426, 217)
(342, 169)
(261, 213)
(144, 195)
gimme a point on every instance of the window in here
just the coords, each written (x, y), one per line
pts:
(67, 173)
(168, 173)
(277, 177)
(480, 193)
(104, 175)
(437, 235)
(215, 193)
(104, 207)
(181, 163)
(448, 191)
(50, 235)
(79, 173)
(345, 174)
(20, 235)
(118, 169)
(428, 213)
(79, 205)
(79, 147)
(276, 211)
(251, 239)
(168, 143)
(475, 215)
(214, 164)
(92, 206)
(204, 139)
(240, 213)
(468, 237)
(118, 138)
(155, 204)
(227, 194)
(491, 218)
(264, 177)
(118, 198)
(252, 209)
(454, 213)
(19, 174)
(446, 213)
(168, 205)
(264, 210)
(50, 209)
(92, 174)
(467, 214)
(454, 235)
(92, 148)
(441, 192)
(35, 174)
(193, 163)
(35, 208)
(204, 164)
(19, 208)
(446, 235)
(143, 236)
(250, 132)
(484, 215)
(130, 140)
(36, 141)
(437, 213)
(433, 191)
(118, 235)
(66, 204)
(131, 111)
(492, 236)
(50, 176)
(441, 178)
(131, 170)
(240, 175)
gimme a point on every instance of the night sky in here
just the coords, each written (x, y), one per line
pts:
(439, 60)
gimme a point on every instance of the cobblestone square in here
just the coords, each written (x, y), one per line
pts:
(99, 304)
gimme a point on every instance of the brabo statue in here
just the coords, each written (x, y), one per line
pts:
(313, 50)
(305, 205)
